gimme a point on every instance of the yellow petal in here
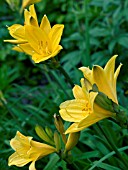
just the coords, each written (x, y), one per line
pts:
(78, 92)
(55, 35)
(26, 3)
(86, 87)
(31, 17)
(16, 159)
(17, 31)
(32, 166)
(36, 37)
(19, 41)
(74, 110)
(39, 58)
(104, 85)
(99, 111)
(90, 120)
(87, 73)
(26, 48)
(45, 24)
(110, 68)
(39, 150)
(73, 128)
(92, 96)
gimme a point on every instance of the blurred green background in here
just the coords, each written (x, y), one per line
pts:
(94, 31)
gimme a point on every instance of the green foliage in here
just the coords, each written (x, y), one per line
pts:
(96, 29)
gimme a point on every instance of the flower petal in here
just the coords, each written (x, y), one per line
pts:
(87, 73)
(19, 41)
(17, 31)
(30, 16)
(73, 128)
(74, 110)
(36, 37)
(90, 120)
(78, 92)
(101, 80)
(26, 48)
(39, 58)
(18, 160)
(32, 166)
(45, 24)
(55, 35)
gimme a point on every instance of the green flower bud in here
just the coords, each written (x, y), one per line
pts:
(43, 135)
(57, 141)
(72, 141)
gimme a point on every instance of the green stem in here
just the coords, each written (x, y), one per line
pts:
(87, 59)
(59, 83)
(113, 145)
(66, 75)
(56, 64)
(107, 156)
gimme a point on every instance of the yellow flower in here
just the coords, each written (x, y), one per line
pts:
(27, 150)
(83, 110)
(41, 42)
(26, 3)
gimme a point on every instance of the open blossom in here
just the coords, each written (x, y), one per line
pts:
(26, 3)
(83, 111)
(27, 150)
(41, 42)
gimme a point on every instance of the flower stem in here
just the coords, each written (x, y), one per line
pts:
(106, 134)
(57, 65)
(66, 75)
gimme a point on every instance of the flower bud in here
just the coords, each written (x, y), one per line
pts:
(57, 141)
(59, 126)
(49, 132)
(43, 135)
(72, 141)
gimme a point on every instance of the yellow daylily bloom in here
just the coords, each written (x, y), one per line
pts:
(26, 3)
(41, 42)
(83, 110)
(27, 150)
(105, 79)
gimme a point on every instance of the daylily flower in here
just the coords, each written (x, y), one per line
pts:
(27, 150)
(26, 3)
(83, 110)
(41, 42)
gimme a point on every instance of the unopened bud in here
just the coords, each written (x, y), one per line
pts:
(43, 135)
(72, 141)
(58, 123)
(59, 126)
(57, 141)
(49, 132)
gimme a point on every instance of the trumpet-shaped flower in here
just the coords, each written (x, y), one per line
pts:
(27, 150)
(41, 42)
(83, 110)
